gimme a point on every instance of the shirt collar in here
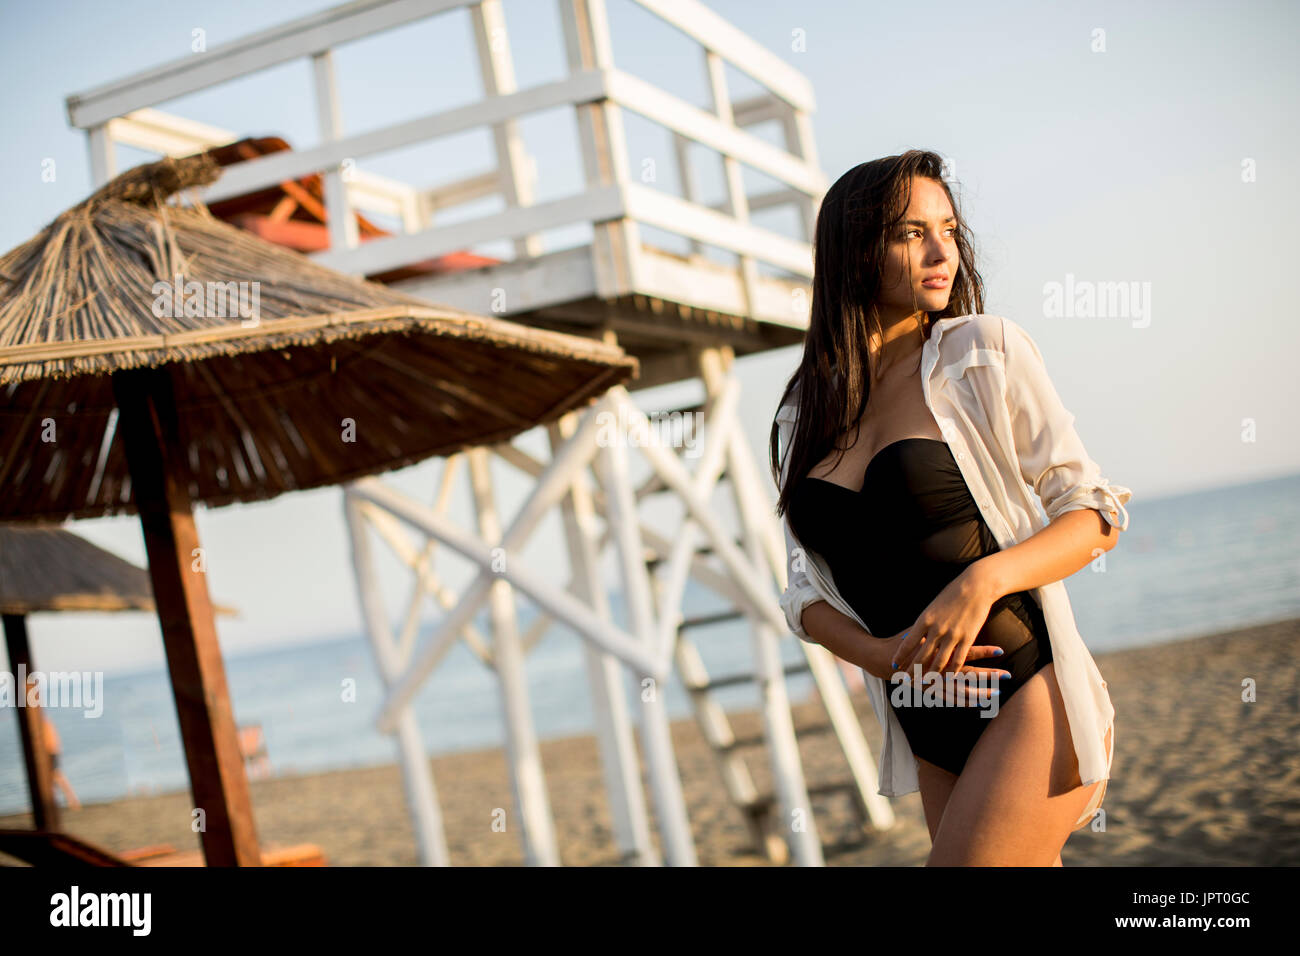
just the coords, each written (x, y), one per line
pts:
(930, 351)
(929, 358)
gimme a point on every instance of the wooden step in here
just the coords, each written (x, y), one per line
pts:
(768, 801)
(53, 848)
(748, 677)
(759, 739)
(706, 619)
(654, 562)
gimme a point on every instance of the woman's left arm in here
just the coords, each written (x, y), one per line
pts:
(1066, 545)
(951, 622)
(1049, 451)
(1084, 512)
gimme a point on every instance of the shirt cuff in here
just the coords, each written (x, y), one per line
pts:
(793, 601)
(1099, 495)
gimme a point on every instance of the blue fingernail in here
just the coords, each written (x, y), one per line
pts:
(997, 652)
(1004, 675)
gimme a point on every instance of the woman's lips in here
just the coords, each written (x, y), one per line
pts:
(935, 283)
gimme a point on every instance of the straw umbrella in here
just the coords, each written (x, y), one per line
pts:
(152, 356)
(45, 568)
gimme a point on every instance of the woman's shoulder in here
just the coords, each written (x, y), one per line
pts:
(977, 331)
(990, 334)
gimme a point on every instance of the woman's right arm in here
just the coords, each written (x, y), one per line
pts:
(811, 618)
(843, 637)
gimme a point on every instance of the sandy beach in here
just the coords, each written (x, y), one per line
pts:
(1200, 778)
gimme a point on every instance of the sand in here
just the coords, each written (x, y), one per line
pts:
(1199, 778)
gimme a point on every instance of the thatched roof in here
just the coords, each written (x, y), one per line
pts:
(49, 569)
(264, 409)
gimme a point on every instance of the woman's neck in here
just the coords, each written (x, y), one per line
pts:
(902, 337)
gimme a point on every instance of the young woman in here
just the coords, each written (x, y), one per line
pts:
(914, 446)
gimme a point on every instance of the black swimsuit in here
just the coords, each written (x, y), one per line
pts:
(892, 547)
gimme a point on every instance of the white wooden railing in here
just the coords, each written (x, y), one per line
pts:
(613, 200)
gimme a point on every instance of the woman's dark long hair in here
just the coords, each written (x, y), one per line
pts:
(857, 216)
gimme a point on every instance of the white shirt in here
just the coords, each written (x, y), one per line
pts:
(985, 383)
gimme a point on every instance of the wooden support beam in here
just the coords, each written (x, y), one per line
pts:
(498, 72)
(326, 30)
(329, 120)
(618, 755)
(150, 431)
(721, 37)
(737, 201)
(616, 240)
(40, 775)
(523, 754)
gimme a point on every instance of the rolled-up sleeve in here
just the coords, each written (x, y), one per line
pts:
(800, 591)
(1052, 458)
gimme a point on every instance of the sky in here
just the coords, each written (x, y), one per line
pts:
(1144, 143)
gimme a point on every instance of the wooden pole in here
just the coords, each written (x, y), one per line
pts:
(604, 675)
(40, 775)
(656, 734)
(523, 754)
(797, 824)
(150, 432)
(417, 773)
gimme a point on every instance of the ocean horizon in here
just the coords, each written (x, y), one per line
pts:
(1190, 564)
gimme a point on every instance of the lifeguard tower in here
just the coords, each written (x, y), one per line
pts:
(731, 288)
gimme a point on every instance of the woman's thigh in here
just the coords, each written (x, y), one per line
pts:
(1019, 795)
(936, 787)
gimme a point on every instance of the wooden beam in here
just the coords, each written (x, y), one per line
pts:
(551, 279)
(293, 164)
(40, 775)
(166, 133)
(103, 157)
(523, 754)
(655, 208)
(498, 73)
(758, 109)
(329, 120)
(737, 201)
(150, 431)
(49, 848)
(635, 94)
(736, 47)
(391, 252)
(279, 44)
(588, 46)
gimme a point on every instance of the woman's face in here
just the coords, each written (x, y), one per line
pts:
(921, 258)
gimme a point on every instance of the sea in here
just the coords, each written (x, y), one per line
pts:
(1189, 565)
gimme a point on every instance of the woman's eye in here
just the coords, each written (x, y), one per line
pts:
(908, 234)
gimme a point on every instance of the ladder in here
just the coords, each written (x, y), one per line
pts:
(728, 750)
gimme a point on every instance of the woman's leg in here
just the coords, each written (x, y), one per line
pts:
(1019, 795)
(936, 788)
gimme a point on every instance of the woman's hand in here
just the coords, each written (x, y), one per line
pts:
(978, 687)
(943, 636)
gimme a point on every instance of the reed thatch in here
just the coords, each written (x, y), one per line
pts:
(50, 569)
(336, 379)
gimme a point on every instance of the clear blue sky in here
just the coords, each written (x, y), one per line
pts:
(1120, 166)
